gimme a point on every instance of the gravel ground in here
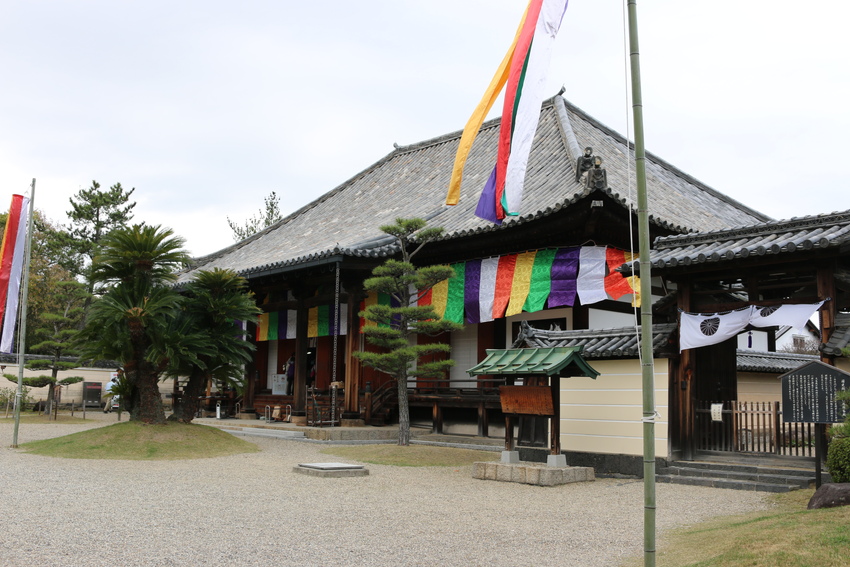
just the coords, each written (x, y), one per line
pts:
(253, 510)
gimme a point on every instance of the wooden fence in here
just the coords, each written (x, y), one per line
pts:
(753, 427)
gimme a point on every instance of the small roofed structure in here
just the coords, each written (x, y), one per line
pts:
(534, 399)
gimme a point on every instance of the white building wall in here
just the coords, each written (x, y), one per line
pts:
(464, 345)
(604, 415)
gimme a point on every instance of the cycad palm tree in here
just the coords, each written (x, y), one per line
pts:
(212, 304)
(135, 313)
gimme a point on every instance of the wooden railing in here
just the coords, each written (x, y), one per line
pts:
(752, 427)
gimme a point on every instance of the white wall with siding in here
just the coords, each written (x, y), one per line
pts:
(604, 415)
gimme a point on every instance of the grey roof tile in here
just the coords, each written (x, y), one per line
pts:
(597, 343)
(412, 182)
(772, 362)
(766, 238)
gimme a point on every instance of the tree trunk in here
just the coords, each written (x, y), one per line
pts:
(185, 411)
(145, 403)
(403, 413)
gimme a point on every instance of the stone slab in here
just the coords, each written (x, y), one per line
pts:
(330, 472)
(537, 474)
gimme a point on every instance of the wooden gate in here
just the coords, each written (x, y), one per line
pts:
(752, 427)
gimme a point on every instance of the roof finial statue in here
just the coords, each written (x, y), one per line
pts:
(584, 163)
(597, 177)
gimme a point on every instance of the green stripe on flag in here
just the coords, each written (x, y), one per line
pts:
(272, 333)
(324, 319)
(541, 281)
(454, 305)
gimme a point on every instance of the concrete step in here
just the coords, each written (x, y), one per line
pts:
(260, 432)
(768, 476)
(807, 470)
(725, 483)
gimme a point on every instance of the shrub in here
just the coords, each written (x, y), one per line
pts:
(838, 459)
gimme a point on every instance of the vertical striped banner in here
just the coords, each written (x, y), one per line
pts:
(455, 295)
(313, 322)
(487, 289)
(541, 281)
(272, 326)
(591, 275)
(11, 267)
(440, 298)
(521, 282)
(471, 291)
(616, 285)
(504, 280)
(563, 278)
(323, 316)
(262, 327)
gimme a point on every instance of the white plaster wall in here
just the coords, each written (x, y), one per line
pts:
(604, 415)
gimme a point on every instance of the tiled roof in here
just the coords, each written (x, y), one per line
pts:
(778, 362)
(767, 238)
(840, 337)
(412, 182)
(598, 343)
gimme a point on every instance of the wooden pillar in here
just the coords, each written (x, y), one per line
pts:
(826, 289)
(684, 387)
(483, 421)
(302, 344)
(555, 426)
(437, 418)
(353, 369)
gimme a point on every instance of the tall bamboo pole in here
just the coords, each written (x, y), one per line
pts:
(22, 326)
(647, 370)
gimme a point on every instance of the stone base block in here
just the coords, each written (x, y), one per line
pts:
(352, 423)
(510, 456)
(537, 474)
(556, 460)
(331, 470)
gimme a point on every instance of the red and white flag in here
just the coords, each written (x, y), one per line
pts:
(11, 268)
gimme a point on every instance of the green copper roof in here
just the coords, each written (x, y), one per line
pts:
(553, 361)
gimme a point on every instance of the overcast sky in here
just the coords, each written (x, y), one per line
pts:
(205, 107)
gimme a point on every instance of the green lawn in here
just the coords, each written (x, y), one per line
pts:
(133, 440)
(787, 535)
(412, 455)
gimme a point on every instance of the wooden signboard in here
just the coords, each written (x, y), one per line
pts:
(527, 400)
(808, 394)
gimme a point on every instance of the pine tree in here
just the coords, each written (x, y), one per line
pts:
(398, 327)
(93, 215)
(266, 217)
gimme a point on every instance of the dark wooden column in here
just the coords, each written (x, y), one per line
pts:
(302, 343)
(352, 365)
(826, 289)
(684, 387)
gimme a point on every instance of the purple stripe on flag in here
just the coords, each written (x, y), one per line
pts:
(333, 318)
(472, 286)
(564, 275)
(281, 324)
(486, 208)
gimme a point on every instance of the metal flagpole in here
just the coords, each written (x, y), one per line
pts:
(22, 326)
(647, 355)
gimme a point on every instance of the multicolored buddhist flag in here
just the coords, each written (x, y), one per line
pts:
(11, 268)
(279, 325)
(524, 71)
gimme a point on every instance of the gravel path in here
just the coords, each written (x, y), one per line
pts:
(252, 510)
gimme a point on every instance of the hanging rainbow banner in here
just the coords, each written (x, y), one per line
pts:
(277, 325)
(523, 70)
(11, 268)
(501, 286)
